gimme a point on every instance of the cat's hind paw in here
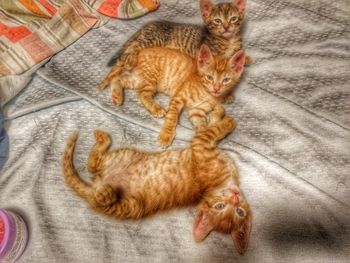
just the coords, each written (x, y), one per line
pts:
(104, 84)
(158, 111)
(105, 195)
(102, 137)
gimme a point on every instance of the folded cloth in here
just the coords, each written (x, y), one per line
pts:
(4, 145)
(32, 31)
(126, 9)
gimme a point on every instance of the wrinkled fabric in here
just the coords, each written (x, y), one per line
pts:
(3, 141)
(291, 145)
(32, 31)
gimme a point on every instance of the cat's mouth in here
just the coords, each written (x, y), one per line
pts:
(227, 34)
(216, 93)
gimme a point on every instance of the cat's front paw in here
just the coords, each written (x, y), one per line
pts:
(229, 99)
(158, 111)
(105, 195)
(228, 123)
(201, 127)
(165, 138)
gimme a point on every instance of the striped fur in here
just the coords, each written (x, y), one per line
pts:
(185, 37)
(196, 86)
(131, 184)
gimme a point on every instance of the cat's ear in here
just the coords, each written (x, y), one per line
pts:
(241, 5)
(206, 7)
(202, 225)
(205, 58)
(237, 62)
(241, 236)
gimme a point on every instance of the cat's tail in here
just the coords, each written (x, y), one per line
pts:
(71, 176)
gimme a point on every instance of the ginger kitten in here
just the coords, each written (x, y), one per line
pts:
(221, 33)
(132, 184)
(194, 85)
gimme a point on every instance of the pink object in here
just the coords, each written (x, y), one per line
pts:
(13, 236)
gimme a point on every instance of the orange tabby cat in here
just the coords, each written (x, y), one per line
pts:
(220, 32)
(192, 84)
(131, 184)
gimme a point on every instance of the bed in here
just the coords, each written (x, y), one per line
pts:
(291, 145)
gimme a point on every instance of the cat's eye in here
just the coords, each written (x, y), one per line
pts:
(209, 77)
(240, 212)
(219, 206)
(226, 80)
(217, 21)
(233, 19)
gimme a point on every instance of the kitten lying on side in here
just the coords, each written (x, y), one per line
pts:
(221, 33)
(193, 85)
(131, 184)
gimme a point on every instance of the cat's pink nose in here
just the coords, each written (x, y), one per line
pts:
(234, 192)
(216, 88)
(235, 196)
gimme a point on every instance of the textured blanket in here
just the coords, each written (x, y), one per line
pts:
(291, 146)
(34, 30)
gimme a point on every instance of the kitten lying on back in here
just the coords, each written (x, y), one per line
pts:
(193, 85)
(131, 184)
(221, 33)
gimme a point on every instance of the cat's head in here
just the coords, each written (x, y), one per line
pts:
(223, 19)
(219, 74)
(224, 210)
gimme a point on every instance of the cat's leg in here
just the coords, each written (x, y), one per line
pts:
(146, 94)
(217, 114)
(214, 132)
(198, 118)
(103, 142)
(128, 208)
(167, 134)
(113, 73)
(117, 92)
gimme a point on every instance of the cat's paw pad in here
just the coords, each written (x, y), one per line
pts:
(158, 111)
(165, 139)
(101, 136)
(105, 196)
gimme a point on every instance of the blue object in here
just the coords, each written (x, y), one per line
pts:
(4, 142)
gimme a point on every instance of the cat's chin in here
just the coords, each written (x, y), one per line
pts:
(216, 94)
(227, 35)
